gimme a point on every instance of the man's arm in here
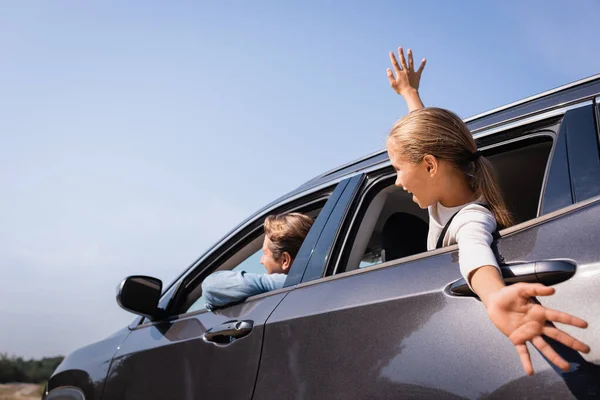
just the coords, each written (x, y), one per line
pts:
(406, 80)
(226, 287)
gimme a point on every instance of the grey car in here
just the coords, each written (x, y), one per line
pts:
(366, 311)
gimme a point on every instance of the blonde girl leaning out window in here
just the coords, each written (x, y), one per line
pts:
(437, 161)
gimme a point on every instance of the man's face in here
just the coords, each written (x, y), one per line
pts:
(273, 266)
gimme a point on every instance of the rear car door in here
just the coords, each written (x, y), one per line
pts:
(409, 328)
(195, 353)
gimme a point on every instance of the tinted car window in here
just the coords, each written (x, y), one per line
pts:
(558, 186)
(582, 146)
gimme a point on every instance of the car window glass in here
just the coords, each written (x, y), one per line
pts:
(582, 145)
(250, 265)
(558, 186)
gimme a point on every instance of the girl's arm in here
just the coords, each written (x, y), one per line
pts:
(516, 314)
(406, 81)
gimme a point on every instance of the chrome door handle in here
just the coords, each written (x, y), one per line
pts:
(548, 272)
(228, 332)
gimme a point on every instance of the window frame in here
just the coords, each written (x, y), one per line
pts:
(319, 259)
(597, 108)
(579, 128)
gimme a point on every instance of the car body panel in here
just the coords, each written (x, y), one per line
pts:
(171, 360)
(87, 367)
(372, 334)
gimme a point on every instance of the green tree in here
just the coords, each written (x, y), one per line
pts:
(16, 369)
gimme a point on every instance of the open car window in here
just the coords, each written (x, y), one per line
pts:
(250, 265)
(242, 254)
(388, 225)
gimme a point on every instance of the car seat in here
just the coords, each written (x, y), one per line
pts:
(403, 235)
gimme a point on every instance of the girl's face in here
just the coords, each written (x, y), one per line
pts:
(414, 178)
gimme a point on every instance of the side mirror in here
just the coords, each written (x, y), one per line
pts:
(140, 295)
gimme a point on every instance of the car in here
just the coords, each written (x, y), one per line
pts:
(361, 318)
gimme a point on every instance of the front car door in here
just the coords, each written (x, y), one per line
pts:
(406, 328)
(195, 353)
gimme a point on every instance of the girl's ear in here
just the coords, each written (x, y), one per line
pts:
(431, 163)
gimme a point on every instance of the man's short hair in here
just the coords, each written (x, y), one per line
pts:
(287, 232)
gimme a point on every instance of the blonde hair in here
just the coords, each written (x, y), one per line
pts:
(287, 232)
(445, 136)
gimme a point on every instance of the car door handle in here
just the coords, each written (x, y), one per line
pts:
(228, 331)
(548, 272)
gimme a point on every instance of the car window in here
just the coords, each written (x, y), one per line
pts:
(388, 225)
(575, 171)
(582, 145)
(558, 184)
(251, 265)
(241, 253)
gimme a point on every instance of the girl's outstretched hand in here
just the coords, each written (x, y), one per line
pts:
(514, 312)
(406, 78)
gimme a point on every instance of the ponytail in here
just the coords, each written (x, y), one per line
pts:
(485, 183)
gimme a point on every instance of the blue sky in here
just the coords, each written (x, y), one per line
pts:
(135, 134)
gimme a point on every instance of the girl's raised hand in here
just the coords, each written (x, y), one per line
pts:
(514, 312)
(405, 78)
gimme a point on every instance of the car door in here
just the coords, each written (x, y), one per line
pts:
(194, 353)
(409, 328)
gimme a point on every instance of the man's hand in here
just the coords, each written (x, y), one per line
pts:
(406, 79)
(515, 314)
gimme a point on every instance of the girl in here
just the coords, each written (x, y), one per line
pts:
(437, 161)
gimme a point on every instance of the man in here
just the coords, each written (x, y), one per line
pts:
(284, 234)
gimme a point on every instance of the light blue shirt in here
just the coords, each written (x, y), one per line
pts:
(226, 287)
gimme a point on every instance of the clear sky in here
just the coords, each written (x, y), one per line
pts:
(134, 134)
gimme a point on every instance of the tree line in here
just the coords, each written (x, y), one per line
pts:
(16, 369)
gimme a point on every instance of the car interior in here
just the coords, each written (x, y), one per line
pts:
(393, 226)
